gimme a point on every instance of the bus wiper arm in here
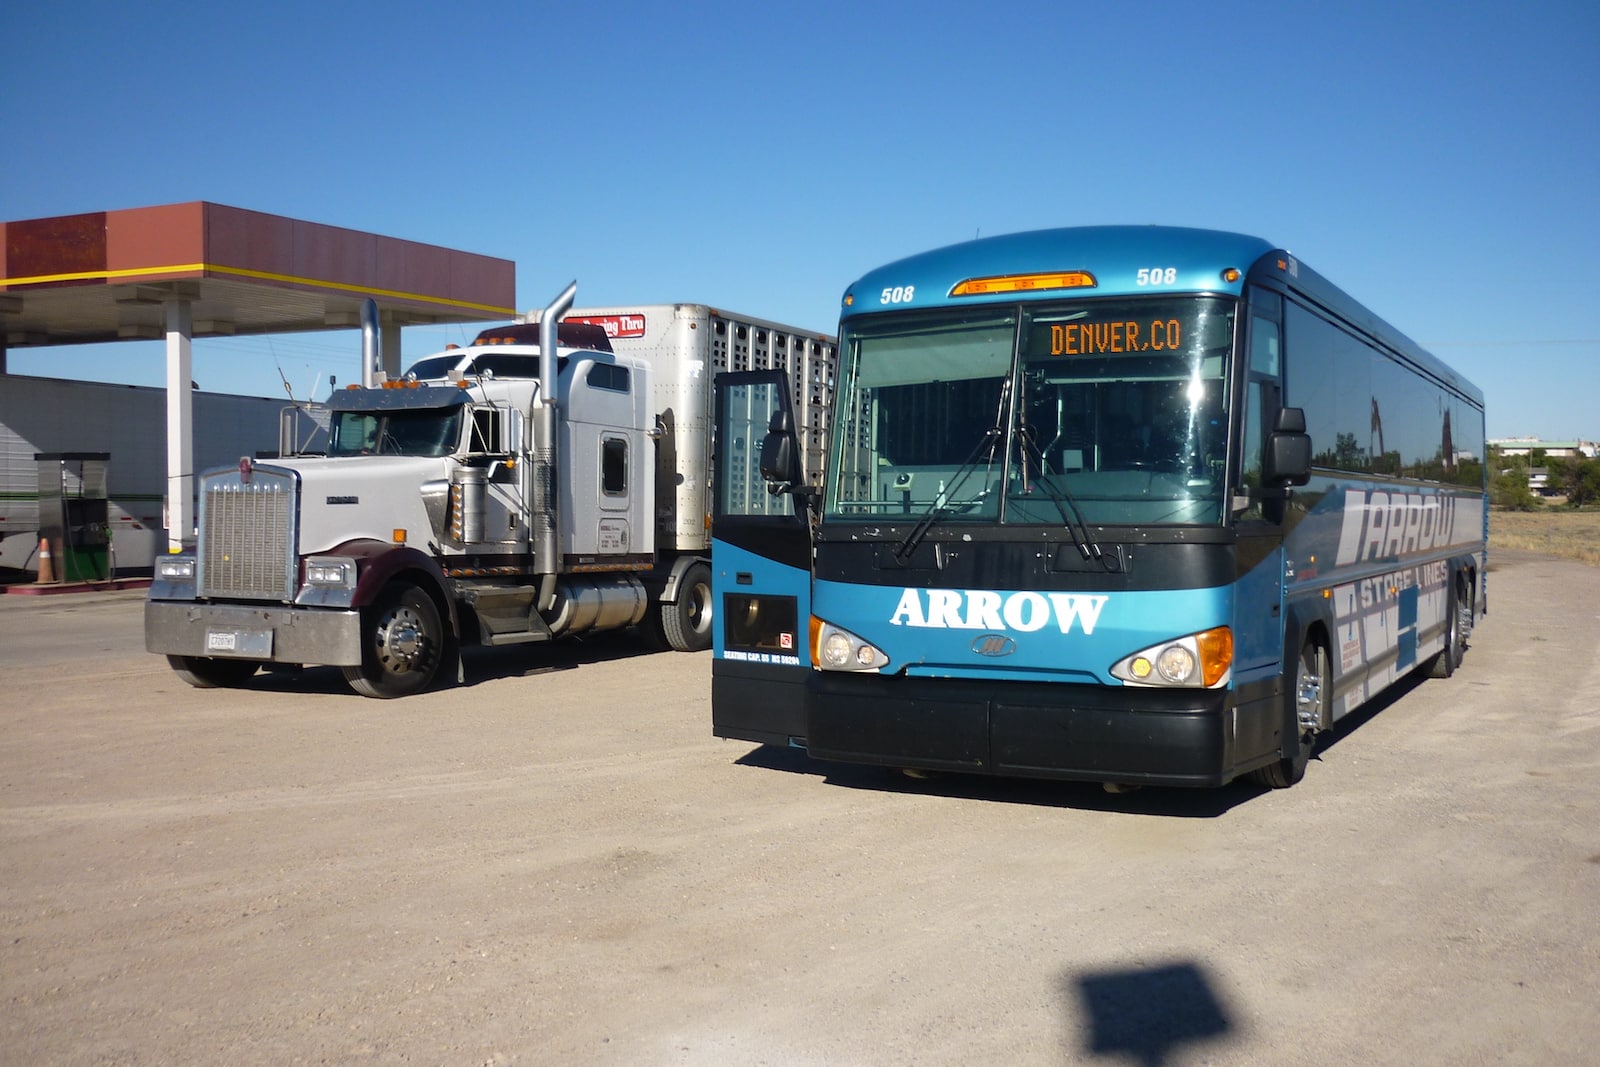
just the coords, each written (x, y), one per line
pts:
(989, 441)
(1063, 499)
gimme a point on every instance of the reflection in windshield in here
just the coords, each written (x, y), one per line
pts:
(1108, 410)
(432, 432)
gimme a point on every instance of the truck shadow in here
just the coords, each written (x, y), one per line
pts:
(478, 665)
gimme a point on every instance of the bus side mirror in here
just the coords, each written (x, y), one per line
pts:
(1288, 454)
(779, 454)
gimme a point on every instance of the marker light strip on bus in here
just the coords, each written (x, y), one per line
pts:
(1022, 283)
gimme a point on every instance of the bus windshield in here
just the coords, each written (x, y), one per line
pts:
(421, 432)
(1104, 411)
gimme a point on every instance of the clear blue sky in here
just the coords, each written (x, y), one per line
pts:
(1439, 161)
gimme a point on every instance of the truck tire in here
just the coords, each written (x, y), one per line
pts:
(687, 622)
(1312, 689)
(402, 642)
(203, 672)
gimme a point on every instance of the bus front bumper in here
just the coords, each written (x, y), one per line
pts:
(1182, 737)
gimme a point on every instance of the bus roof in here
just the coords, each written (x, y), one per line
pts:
(1097, 261)
(1112, 255)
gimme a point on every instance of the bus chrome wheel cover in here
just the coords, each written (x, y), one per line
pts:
(1310, 680)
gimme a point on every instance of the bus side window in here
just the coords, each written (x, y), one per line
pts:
(1262, 397)
(1250, 465)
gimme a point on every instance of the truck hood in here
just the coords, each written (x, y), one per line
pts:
(356, 497)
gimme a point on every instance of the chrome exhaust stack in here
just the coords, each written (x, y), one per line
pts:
(546, 532)
(371, 347)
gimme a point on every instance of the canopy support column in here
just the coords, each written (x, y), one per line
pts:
(180, 424)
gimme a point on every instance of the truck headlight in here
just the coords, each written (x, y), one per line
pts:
(1201, 660)
(834, 648)
(331, 571)
(175, 568)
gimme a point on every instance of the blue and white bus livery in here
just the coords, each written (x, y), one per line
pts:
(1138, 505)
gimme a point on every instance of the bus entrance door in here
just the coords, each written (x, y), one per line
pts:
(761, 570)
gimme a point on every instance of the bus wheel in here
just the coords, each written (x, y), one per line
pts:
(1312, 688)
(687, 623)
(402, 642)
(202, 672)
(1457, 620)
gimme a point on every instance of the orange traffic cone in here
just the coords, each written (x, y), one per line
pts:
(47, 570)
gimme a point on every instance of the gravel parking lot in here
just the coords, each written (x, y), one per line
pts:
(557, 864)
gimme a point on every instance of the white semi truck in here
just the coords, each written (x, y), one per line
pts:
(551, 478)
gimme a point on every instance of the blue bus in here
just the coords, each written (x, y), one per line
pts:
(1136, 505)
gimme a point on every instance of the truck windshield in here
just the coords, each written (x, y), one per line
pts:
(1112, 410)
(431, 432)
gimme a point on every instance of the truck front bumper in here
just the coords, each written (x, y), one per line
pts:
(255, 632)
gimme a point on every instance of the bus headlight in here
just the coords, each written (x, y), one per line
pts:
(1202, 660)
(834, 648)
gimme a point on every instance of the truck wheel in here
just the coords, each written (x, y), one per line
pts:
(1312, 689)
(687, 623)
(203, 672)
(402, 642)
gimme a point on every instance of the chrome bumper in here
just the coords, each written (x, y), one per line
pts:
(242, 631)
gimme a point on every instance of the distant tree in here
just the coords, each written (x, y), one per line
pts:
(1576, 479)
(1509, 489)
(1587, 490)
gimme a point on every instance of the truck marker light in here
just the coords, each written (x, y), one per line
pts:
(399, 537)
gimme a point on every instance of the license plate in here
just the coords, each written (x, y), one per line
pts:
(246, 644)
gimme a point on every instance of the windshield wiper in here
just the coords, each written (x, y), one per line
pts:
(989, 442)
(1062, 498)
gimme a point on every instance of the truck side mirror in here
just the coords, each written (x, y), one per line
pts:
(1287, 459)
(779, 451)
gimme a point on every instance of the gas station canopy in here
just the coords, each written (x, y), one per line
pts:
(204, 270)
(107, 275)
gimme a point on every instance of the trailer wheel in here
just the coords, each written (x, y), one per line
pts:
(1312, 689)
(687, 623)
(203, 672)
(402, 642)
(1458, 620)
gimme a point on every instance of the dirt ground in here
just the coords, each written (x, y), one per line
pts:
(557, 864)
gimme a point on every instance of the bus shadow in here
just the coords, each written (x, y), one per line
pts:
(1031, 792)
(1161, 801)
(1354, 721)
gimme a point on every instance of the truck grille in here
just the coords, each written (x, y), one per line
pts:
(247, 535)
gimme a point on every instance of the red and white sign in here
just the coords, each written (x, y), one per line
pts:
(614, 325)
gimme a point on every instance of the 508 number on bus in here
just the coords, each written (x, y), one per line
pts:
(1157, 276)
(899, 294)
